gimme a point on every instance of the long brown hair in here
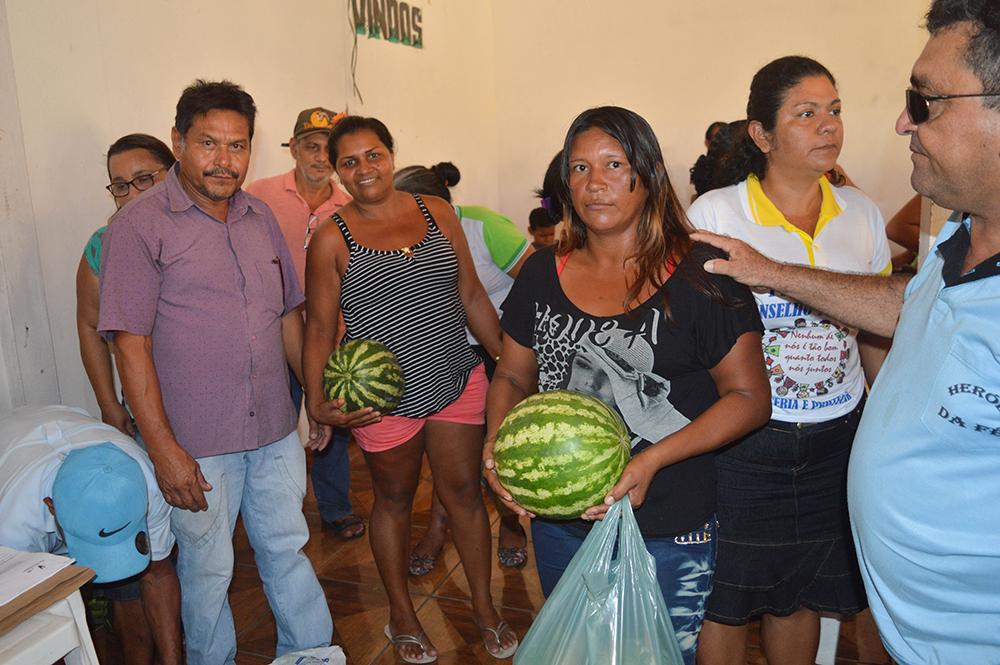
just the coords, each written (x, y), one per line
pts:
(662, 238)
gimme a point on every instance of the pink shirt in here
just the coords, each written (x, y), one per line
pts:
(293, 214)
(211, 295)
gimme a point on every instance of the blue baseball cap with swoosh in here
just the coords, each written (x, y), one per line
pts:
(100, 500)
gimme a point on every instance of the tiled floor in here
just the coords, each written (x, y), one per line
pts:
(360, 610)
(348, 575)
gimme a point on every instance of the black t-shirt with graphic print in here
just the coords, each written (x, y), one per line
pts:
(652, 369)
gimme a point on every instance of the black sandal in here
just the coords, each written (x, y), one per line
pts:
(421, 564)
(512, 557)
(341, 526)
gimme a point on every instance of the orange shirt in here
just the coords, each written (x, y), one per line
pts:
(293, 214)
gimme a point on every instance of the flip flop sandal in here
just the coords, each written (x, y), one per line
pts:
(500, 629)
(402, 638)
(512, 557)
(421, 564)
(341, 526)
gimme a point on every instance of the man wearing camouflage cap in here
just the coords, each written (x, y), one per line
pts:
(301, 199)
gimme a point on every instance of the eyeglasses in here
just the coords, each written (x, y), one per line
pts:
(917, 104)
(140, 182)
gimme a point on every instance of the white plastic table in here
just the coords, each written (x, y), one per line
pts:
(47, 623)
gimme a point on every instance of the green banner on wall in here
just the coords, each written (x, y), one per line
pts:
(391, 20)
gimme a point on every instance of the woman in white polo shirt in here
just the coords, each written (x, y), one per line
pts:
(785, 548)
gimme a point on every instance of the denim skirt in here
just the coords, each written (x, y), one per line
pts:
(784, 538)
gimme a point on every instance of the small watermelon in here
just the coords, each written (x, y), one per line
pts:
(364, 373)
(559, 452)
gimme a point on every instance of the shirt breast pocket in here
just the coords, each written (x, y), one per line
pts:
(271, 285)
(963, 406)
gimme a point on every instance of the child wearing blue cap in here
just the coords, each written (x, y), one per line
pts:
(99, 503)
(104, 509)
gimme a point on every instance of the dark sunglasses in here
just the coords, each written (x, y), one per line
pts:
(917, 105)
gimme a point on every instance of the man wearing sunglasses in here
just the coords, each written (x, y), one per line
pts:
(924, 479)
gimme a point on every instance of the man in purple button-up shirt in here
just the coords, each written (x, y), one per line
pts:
(200, 296)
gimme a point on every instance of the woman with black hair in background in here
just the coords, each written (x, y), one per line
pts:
(499, 250)
(713, 131)
(624, 311)
(785, 548)
(135, 163)
(720, 166)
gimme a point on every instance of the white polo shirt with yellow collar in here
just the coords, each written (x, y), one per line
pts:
(812, 360)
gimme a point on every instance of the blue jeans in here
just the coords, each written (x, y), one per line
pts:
(331, 477)
(266, 486)
(331, 468)
(684, 568)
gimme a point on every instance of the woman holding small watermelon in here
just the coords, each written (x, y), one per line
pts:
(398, 267)
(624, 311)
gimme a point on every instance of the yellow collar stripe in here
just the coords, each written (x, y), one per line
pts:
(765, 213)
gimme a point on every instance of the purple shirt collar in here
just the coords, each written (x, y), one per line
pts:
(179, 200)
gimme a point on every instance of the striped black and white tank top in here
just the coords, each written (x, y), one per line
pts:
(408, 300)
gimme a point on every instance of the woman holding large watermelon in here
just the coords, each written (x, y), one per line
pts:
(399, 269)
(624, 311)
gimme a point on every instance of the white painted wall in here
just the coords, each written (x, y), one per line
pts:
(682, 65)
(439, 102)
(493, 90)
(27, 363)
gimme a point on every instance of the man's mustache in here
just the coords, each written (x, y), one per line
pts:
(221, 172)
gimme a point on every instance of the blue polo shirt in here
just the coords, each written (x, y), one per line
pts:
(924, 478)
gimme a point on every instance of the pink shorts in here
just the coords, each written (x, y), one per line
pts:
(392, 431)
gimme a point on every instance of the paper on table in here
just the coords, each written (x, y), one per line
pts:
(19, 571)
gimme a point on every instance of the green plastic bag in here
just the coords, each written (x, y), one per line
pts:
(605, 610)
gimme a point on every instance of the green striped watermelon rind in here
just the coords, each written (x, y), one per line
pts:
(595, 449)
(363, 373)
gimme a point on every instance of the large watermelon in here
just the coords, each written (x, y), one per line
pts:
(364, 373)
(559, 452)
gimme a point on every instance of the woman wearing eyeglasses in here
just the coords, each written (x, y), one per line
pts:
(785, 548)
(136, 162)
